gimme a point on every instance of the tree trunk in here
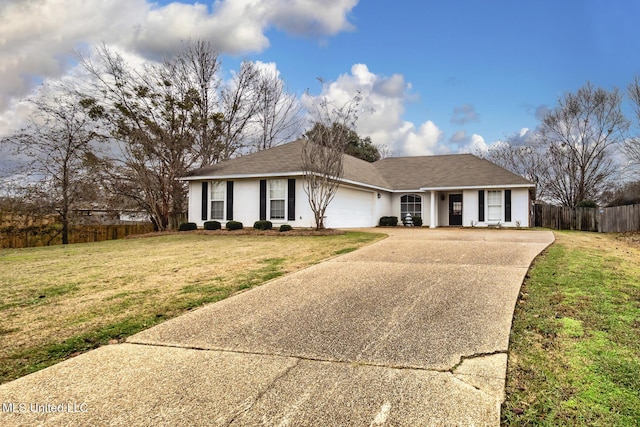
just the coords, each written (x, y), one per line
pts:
(65, 231)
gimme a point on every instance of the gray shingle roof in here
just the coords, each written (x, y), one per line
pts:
(454, 170)
(394, 173)
(285, 160)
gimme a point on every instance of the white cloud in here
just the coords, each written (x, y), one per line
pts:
(383, 103)
(309, 17)
(476, 144)
(424, 141)
(38, 36)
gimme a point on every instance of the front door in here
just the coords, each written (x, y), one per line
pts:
(455, 209)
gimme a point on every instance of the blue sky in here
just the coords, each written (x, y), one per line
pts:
(443, 76)
(505, 59)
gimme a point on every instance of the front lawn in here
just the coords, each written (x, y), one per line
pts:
(574, 354)
(58, 301)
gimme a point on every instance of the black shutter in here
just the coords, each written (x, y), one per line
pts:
(481, 206)
(263, 199)
(229, 200)
(507, 205)
(291, 194)
(205, 201)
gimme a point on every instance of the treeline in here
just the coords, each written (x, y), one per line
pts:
(119, 136)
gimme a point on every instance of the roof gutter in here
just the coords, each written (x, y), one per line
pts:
(478, 187)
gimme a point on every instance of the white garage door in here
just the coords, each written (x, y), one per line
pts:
(351, 208)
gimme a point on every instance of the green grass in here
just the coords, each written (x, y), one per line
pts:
(58, 301)
(574, 355)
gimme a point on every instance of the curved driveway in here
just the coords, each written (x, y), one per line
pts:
(412, 330)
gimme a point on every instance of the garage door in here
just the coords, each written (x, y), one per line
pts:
(351, 208)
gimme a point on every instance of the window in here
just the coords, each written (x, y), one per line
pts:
(494, 205)
(412, 204)
(277, 198)
(217, 200)
(456, 208)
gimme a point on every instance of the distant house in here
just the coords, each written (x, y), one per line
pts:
(95, 215)
(447, 190)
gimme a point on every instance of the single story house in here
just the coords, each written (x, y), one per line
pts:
(445, 190)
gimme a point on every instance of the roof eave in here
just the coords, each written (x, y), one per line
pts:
(477, 187)
(240, 176)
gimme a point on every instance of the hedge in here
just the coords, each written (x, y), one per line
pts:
(212, 225)
(388, 221)
(188, 226)
(234, 225)
(262, 225)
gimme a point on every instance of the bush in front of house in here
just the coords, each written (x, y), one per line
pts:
(188, 226)
(388, 221)
(212, 225)
(417, 221)
(285, 227)
(262, 225)
(234, 225)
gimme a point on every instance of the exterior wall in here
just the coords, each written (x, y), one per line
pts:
(395, 209)
(520, 203)
(426, 209)
(383, 206)
(246, 204)
(195, 203)
(246, 201)
(519, 208)
(470, 208)
(304, 214)
(358, 207)
(351, 207)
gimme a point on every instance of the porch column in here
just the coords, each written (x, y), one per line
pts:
(432, 210)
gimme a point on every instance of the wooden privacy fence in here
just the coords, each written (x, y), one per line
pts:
(50, 235)
(617, 219)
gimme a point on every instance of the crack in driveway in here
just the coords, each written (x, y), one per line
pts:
(451, 370)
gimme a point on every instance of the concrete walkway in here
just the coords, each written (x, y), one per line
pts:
(412, 330)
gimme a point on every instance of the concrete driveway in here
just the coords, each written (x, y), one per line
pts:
(412, 330)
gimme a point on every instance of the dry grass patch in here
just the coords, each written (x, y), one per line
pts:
(58, 301)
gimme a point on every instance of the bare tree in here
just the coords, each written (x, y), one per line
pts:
(528, 159)
(579, 137)
(198, 65)
(278, 113)
(323, 152)
(58, 143)
(632, 145)
(239, 105)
